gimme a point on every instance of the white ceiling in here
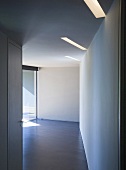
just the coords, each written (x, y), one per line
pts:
(39, 25)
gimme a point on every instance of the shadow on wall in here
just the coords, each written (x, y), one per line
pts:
(28, 81)
(29, 94)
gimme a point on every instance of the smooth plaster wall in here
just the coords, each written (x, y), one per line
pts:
(58, 97)
(99, 95)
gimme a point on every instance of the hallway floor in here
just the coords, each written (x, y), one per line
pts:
(52, 145)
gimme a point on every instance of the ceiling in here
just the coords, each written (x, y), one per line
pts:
(37, 25)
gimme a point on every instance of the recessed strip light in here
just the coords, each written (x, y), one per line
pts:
(73, 43)
(95, 8)
(72, 58)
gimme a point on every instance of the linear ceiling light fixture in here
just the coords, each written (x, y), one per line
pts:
(95, 8)
(72, 58)
(73, 43)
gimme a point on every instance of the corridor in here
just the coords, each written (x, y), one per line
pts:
(52, 145)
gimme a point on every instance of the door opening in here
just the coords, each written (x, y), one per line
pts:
(29, 93)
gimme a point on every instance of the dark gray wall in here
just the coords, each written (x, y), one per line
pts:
(3, 101)
(10, 105)
(14, 107)
(123, 87)
(99, 95)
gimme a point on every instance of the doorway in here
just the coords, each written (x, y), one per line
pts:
(29, 90)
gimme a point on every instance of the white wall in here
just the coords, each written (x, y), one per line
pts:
(99, 96)
(58, 96)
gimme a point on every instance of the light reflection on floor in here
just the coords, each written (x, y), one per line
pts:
(29, 123)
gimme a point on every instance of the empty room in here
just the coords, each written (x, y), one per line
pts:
(62, 71)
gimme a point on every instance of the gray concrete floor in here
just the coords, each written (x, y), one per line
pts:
(53, 145)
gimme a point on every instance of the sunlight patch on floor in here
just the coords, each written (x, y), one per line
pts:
(30, 124)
